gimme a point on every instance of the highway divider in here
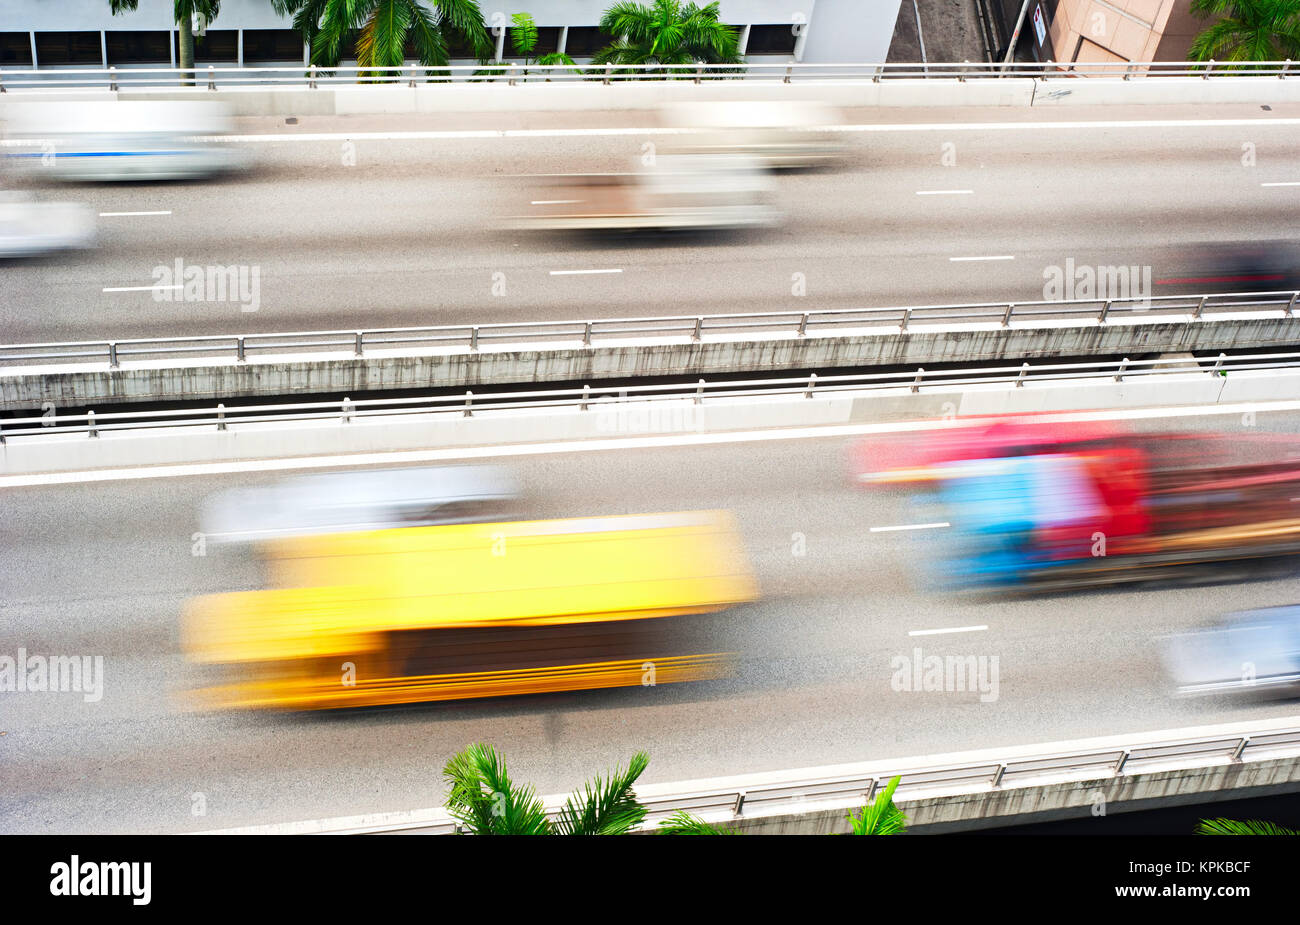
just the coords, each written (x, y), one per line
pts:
(251, 366)
(451, 424)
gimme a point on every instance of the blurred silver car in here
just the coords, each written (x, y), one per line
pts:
(1253, 650)
(120, 139)
(29, 227)
(367, 499)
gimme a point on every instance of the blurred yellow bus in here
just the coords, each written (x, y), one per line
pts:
(476, 610)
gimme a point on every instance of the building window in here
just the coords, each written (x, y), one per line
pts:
(68, 48)
(771, 40)
(218, 45)
(16, 48)
(272, 45)
(137, 47)
(585, 41)
(548, 40)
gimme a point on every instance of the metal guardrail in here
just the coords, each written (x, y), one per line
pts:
(512, 73)
(239, 347)
(607, 398)
(786, 793)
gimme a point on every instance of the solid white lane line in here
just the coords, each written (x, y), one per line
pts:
(948, 629)
(1295, 183)
(581, 272)
(116, 214)
(553, 202)
(910, 527)
(945, 192)
(402, 457)
(965, 259)
(140, 288)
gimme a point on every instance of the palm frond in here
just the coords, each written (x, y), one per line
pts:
(523, 34)
(606, 806)
(465, 17)
(382, 42)
(483, 799)
(882, 817)
(1238, 827)
(683, 823)
(430, 45)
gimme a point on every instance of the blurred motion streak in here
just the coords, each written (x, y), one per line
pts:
(29, 228)
(780, 134)
(120, 140)
(476, 610)
(1038, 506)
(678, 191)
(1252, 651)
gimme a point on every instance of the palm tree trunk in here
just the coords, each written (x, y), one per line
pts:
(187, 51)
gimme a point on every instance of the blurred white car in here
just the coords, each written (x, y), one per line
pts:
(366, 499)
(29, 227)
(1255, 650)
(110, 140)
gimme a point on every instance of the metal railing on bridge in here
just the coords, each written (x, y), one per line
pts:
(512, 73)
(788, 792)
(473, 337)
(607, 398)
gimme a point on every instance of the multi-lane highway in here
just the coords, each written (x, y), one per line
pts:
(103, 568)
(348, 227)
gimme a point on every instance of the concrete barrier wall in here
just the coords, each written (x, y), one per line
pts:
(621, 96)
(606, 420)
(71, 386)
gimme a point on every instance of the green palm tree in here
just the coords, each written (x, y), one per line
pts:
(382, 27)
(1237, 827)
(667, 32)
(484, 800)
(523, 38)
(182, 13)
(1247, 30)
(881, 817)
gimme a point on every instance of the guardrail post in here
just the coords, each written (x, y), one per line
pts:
(1241, 747)
(1200, 307)
(112, 79)
(2, 83)
(699, 327)
(240, 353)
(91, 430)
(997, 776)
(699, 71)
(1123, 760)
(740, 803)
(212, 78)
(907, 316)
(1209, 67)
(1006, 316)
(586, 394)
(1119, 375)
(221, 417)
(1105, 310)
(871, 789)
(586, 334)
(357, 345)
(812, 384)
(1290, 306)
(112, 355)
(609, 69)
(473, 338)
(1218, 363)
(916, 383)
(311, 77)
(1020, 379)
(1282, 76)
(803, 325)
(469, 401)
(510, 74)
(788, 69)
(347, 408)
(411, 84)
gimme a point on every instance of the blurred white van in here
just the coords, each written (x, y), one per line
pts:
(777, 133)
